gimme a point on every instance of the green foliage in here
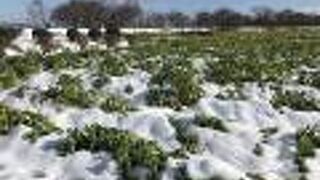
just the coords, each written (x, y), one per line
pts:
(69, 91)
(65, 60)
(310, 78)
(295, 100)
(231, 93)
(175, 84)
(210, 122)
(15, 69)
(115, 104)
(24, 66)
(112, 65)
(8, 79)
(39, 125)
(129, 150)
(160, 96)
(189, 140)
(307, 141)
(239, 70)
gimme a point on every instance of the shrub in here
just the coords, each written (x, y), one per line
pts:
(95, 34)
(210, 122)
(129, 150)
(39, 125)
(295, 100)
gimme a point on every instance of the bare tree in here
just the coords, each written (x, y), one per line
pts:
(37, 14)
(204, 19)
(178, 19)
(80, 14)
(127, 12)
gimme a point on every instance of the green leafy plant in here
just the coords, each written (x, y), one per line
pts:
(175, 84)
(65, 60)
(115, 104)
(24, 66)
(210, 122)
(69, 91)
(310, 78)
(189, 140)
(295, 100)
(115, 66)
(15, 69)
(160, 96)
(8, 79)
(308, 140)
(38, 124)
(129, 150)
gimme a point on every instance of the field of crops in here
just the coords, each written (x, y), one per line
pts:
(222, 106)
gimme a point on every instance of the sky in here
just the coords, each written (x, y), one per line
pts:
(15, 10)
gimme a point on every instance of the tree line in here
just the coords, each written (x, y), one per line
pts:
(107, 13)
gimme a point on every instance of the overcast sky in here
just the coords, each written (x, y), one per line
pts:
(15, 10)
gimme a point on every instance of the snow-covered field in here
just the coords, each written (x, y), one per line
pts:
(245, 151)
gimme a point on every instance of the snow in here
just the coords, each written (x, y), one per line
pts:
(152, 125)
(206, 166)
(138, 80)
(314, 166)
(229, 155)
(21, 160)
